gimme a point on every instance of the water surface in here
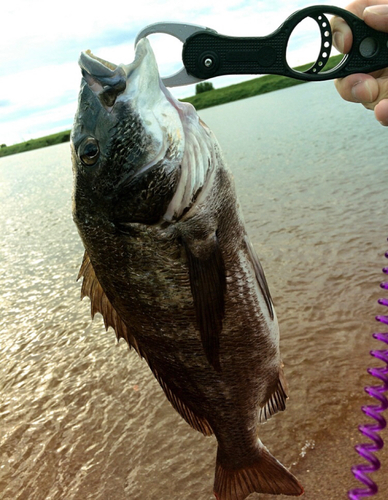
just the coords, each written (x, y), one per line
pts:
(81, 417)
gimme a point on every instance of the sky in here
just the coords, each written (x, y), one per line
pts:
(40, 43)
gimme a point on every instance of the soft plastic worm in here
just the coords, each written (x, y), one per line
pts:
(366, 450)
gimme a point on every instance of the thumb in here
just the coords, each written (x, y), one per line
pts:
(376, 17)
(381, 112)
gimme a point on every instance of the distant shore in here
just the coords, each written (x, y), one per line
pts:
(215, 97)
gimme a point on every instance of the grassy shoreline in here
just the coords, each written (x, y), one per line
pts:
(243, 90)
(42, 142)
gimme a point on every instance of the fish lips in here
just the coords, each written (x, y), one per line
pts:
(105, 79)
(108, 80)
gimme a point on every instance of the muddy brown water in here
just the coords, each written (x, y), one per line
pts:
(81, 417)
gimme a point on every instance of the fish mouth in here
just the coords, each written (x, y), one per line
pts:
(96, 65)
(135, 93)
(176, 137)
(104, 78)
(109, 80)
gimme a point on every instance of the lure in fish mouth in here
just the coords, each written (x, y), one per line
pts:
(169, 265)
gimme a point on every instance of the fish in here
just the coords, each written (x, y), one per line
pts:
(170, 267)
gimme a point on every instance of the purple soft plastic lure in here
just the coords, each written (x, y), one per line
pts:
(366, 450)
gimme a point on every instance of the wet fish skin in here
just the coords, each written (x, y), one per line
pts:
(170, 267)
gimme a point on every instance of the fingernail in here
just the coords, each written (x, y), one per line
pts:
(356, 91)
(362, 91)
(338, 39)
(379, 10)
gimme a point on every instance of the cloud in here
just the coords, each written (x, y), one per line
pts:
(40, 45)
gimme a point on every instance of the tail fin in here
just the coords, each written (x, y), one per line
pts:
(265, 475)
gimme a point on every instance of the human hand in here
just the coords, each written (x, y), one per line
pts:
(371, 90)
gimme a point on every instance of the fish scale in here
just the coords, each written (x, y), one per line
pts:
(170, 267)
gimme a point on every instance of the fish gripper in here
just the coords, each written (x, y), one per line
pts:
(371, 430)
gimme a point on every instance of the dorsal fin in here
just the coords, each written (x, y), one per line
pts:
(198, 423)
(99, 303)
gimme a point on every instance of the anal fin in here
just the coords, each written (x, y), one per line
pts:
(277, 399)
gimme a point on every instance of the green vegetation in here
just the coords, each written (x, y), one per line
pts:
(48, 140)
(203, 87)
(202, 99)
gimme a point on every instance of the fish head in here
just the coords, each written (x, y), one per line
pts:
(127, 141)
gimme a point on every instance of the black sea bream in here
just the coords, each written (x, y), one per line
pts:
(169, 265)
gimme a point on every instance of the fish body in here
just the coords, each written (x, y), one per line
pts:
(170, 267)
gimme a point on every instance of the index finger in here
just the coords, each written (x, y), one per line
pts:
(358, 6)
(342, 34)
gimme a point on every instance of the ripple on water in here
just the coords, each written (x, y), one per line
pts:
(81, 417)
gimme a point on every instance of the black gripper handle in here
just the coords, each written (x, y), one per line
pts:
(207, 55)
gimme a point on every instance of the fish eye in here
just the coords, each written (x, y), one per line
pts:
(89, 151)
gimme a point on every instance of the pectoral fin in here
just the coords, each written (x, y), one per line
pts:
(260, 276)
(208, 286)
